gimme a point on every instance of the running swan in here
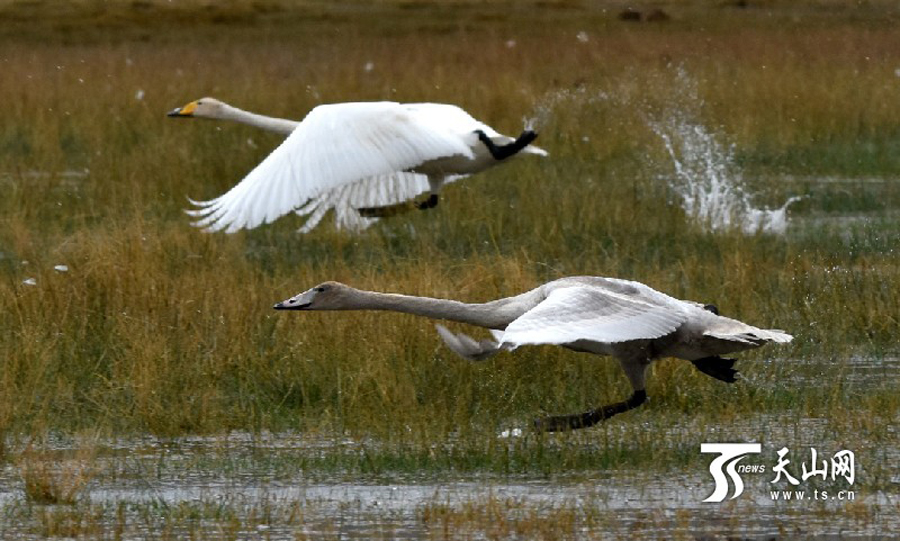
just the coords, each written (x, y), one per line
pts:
(365, 160)
(606, 316)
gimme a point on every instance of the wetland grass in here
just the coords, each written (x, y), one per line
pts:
(157, 328)
(56, 478)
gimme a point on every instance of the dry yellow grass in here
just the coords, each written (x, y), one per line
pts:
(52, 477)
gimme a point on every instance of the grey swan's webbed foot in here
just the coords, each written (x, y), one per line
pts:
(560, 423)
(400, 208)
(501, 152)
(429, 203)
(714, 366)
(717, 367)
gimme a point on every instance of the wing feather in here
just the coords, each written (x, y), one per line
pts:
(377, 191)
(580, 313)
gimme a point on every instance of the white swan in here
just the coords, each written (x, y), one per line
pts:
(606, 316)
(365, 160)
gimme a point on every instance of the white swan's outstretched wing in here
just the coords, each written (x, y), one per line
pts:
(334, 146)
(594, 314)
(379, 191)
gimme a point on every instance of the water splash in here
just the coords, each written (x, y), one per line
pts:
(708, 181)
(547, 106)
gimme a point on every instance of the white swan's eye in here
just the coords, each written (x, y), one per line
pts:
(320, 289)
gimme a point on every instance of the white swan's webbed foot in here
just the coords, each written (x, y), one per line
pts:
(400, 208)
(559, 423)
(717, 367)
(501, 152)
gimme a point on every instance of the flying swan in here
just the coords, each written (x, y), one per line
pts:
(365, 160)
(606, 316)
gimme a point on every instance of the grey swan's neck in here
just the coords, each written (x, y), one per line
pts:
(491, 315)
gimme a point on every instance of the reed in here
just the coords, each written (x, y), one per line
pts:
(51, 478)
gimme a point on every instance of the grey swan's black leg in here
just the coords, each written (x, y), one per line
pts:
(717, 367)
(400, 208)
(560, 423)
(501, 152)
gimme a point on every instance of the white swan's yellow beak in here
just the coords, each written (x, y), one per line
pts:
(187, 110)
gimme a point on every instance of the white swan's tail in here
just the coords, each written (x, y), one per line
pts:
(467, 347)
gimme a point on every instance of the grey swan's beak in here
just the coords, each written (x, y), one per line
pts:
(291, 304)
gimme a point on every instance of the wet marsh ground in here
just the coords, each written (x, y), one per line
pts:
(147, 389)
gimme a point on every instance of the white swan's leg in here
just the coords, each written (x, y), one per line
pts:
(387, 211)
(435, 182)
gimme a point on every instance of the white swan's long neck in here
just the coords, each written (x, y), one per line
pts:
(492, 315)
(278, 125)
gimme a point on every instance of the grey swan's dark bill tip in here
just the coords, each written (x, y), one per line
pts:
(285, 306)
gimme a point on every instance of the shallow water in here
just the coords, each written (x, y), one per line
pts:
(361, 511)
(243, 485)
(618, 504)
